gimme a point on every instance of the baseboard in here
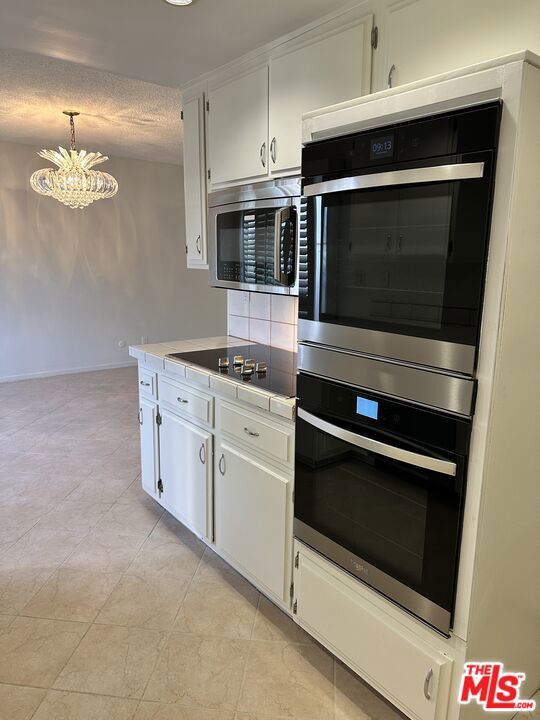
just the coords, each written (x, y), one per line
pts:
(69, 371)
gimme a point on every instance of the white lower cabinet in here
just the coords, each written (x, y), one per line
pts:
(409, 672)
(148, 411)
(186, 472)
(253, 505)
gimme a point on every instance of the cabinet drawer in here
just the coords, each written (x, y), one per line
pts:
(410, 673)
(147, 383)
(187, 401)
(262, 435)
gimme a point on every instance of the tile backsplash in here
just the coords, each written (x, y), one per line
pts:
(268, 319)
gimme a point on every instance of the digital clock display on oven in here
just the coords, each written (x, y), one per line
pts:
(381, 147)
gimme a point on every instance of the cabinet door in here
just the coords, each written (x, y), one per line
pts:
(252, 505)
(149, 445)
(195, 182)
(421, 38)
(238, 128)
(186, 471)
(329, 602)
(327, 71)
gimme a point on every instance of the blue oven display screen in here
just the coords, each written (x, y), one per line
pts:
(367, 408)
(381, 147)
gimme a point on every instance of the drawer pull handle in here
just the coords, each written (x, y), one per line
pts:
(144, 384)
(140, 416)
(181, 400)
(427, 684)
(251, 433)
(198, 244)
(221, 464)
(202, 454)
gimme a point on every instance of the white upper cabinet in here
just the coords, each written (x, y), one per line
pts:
(238, 128)
(421, 38)
(326, 71)
(195, 182)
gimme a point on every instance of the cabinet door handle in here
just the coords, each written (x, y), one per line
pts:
(263, 154)
(427, 684)
(198, 244)
(140, 416)
(251, 433)
(181, 400)
(221, 464)
(273, 150)
(391, 75)
(144, 384)
(202, 453)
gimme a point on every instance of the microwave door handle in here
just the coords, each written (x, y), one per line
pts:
(282, 215)
(412, 176)
(289, 247)
(390, 451)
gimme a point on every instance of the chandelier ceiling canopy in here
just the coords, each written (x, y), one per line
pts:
(74, 183)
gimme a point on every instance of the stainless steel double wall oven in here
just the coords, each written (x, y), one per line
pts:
(398, 222)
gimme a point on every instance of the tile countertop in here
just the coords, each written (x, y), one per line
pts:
(154, 356)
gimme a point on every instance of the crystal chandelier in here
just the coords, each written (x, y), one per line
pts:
(74, 183)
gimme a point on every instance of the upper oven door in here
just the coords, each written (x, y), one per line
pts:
(254, 245)
(396, 260)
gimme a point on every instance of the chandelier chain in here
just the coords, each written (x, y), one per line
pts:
(72, 125)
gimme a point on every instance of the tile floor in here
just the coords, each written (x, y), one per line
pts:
(109, 608)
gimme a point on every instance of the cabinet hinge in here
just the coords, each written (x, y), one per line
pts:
(181, 114)
(297, 560)
(159, 419)
(160, 486)
(374, 37)
(186, 250)
(291, 591)
(209, 173)
(295, 607)
(208, 106)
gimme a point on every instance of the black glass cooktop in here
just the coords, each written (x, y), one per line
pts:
(279, 377)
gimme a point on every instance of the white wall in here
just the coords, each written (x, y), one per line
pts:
(73, 283)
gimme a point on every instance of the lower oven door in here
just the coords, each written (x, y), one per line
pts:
(386, 512)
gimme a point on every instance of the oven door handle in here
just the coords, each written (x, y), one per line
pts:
(411, 176)
(390, 451)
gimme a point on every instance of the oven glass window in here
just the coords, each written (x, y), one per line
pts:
(400, 519)
(384, 256)
(245, 246)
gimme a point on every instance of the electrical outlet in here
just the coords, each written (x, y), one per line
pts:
(144, 339)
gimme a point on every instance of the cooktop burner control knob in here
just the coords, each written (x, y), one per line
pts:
(247, 370)
(238, 360)
(223, 362)
(249, 362)
(261, 368)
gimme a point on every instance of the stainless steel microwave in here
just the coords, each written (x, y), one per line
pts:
(254, 235)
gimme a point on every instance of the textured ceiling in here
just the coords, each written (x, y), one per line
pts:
(80, 55)
(149, 39)
(119, 116)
